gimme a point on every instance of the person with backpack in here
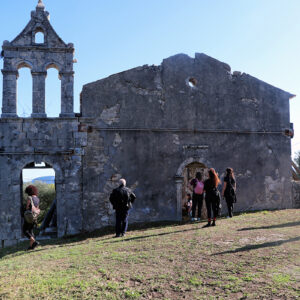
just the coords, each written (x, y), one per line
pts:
(30, 215)
(212, 196)
(229, 190)
(121, 199)
(198, 186)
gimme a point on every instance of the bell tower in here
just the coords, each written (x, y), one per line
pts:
(37, 47)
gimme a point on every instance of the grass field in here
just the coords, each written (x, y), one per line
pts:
(251, 256)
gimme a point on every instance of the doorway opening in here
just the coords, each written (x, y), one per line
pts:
(189, 172)
(41, 175)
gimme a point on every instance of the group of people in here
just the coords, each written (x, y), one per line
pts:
(209, 188)
(122, 199)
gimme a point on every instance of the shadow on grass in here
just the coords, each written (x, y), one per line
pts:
(149, 235)
(290, 224)
(259, 246)
(108, 231)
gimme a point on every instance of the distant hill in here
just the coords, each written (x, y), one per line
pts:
(45, 179)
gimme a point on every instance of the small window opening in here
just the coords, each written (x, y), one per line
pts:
(192, 82)
(39, 38)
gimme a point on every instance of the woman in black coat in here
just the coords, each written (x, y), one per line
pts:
(212, 196)
(229, 190)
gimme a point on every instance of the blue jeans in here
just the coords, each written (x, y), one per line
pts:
(121, 221)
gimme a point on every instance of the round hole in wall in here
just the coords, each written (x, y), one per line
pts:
(192, 82)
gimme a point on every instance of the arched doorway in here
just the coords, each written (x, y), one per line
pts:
(184, 174)
(42, 175)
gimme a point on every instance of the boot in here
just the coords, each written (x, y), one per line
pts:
(35, 243)
(207, 225)
(213, 223)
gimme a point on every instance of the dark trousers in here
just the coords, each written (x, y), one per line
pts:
(229, 206)
(211, 205)
(121, 221)
(197, 201)
(28, 229)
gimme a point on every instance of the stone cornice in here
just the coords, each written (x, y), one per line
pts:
(63, 73)
(9, 72)
(38, 49)
(34, 73)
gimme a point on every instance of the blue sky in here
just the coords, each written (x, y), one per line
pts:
(258, 37)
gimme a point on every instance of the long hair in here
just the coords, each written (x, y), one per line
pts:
(199, 175)
(213, 177)
(31, 190)
(230, 173)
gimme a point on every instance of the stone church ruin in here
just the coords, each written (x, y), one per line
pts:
(153, 125)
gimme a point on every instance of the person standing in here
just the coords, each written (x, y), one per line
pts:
(188, 205)
(212, 196)
(198, 186)
(32, 204)
(229, 190)
(121, 199)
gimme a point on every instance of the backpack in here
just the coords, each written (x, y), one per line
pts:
(199, 187)
(30, 215)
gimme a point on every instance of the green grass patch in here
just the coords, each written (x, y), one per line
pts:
(240, 257)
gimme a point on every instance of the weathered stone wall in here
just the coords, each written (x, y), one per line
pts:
(146, 122)
(54, 141)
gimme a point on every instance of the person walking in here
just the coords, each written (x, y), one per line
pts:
(32, 205)
(121, 199)
(229, 190)
(212, 196)
(198, 186)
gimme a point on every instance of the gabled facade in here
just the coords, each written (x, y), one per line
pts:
(38, 56)
(153, 125)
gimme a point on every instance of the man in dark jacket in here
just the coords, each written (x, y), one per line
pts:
(121, 199)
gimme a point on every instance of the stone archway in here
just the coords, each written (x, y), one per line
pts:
(185, 172)
(45, 163)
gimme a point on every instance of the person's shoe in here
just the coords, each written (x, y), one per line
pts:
(29, 248)
(35, 244)
(122, 234)
(207, 225)
(194, 219)
(117, 235)
(213, 223)
(198, 219)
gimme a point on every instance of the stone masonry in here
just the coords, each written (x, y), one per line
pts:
(147, 125)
